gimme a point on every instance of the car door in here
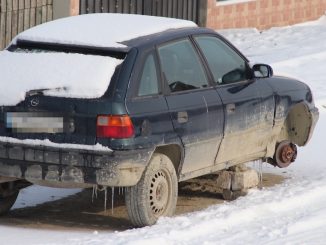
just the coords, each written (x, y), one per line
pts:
(146, 104)
(195, 107)
(248, 103)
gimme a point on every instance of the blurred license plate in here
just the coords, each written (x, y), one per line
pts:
(34, 122)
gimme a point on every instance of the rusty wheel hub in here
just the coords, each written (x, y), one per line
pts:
(285, 154)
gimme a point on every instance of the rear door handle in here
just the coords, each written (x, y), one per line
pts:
(230, 108)
(182, 117)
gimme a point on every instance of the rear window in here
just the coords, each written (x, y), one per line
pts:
(58, 73)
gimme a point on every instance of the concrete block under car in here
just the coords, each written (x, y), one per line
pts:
(235, 182)
(244, 180)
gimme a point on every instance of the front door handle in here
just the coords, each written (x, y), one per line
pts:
(230, 108)
(182, 117)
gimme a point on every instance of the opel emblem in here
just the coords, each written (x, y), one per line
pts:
(35, 102)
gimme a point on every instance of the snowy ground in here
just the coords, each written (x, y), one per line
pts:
(291, 213)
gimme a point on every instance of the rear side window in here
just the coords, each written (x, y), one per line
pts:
(226, 65)
(148, 82)
(181, 66)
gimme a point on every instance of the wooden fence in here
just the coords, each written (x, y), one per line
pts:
(19, 15)
(195, 10)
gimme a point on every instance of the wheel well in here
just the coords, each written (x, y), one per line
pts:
(297, 125)
(173, 152)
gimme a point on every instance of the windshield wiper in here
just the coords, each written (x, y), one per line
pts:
(42, 90)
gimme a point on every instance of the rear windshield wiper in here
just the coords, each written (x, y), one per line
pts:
(42, 90)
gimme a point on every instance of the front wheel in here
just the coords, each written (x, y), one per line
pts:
(285, 154)
(8, 197)
(156, 193)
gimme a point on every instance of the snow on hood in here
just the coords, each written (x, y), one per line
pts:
(78, 75)
(101, 30)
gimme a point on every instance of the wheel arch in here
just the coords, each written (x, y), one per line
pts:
(297, 125)
(174, 152)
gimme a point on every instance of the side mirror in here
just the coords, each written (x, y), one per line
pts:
(262, 71)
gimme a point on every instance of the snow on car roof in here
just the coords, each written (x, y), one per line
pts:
(101, 30)
(74, 75)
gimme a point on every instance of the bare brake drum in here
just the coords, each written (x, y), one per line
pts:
(285, 154)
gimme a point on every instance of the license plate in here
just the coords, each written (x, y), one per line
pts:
(34, 122)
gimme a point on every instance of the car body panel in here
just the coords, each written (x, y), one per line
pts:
(209, 125)
(248, 121)
(68, 167)
(198, 120)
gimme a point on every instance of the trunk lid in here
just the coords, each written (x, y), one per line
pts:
(61, 120)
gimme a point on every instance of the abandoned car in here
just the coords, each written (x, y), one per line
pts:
(140, 102)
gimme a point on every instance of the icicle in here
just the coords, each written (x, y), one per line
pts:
(105, 197)
(94, 193)
(112, 188)
(260, 174)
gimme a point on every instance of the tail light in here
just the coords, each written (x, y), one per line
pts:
(112, 126)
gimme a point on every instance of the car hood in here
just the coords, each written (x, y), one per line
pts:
(286, 84)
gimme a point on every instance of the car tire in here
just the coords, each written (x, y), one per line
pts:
(6, 202)
(156, 193)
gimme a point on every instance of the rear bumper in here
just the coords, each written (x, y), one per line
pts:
(66, 167)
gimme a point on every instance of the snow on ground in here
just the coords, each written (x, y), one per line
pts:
(34, 195)
(296, 51)
(291, 213)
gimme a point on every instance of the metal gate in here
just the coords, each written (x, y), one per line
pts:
(195, 10)
(19, 15)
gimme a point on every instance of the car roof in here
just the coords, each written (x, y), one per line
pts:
(144, 42)
(166, 36)
(100, 30)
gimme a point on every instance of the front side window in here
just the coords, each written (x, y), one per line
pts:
(226, 65)
(148, 82)
(181, 66)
